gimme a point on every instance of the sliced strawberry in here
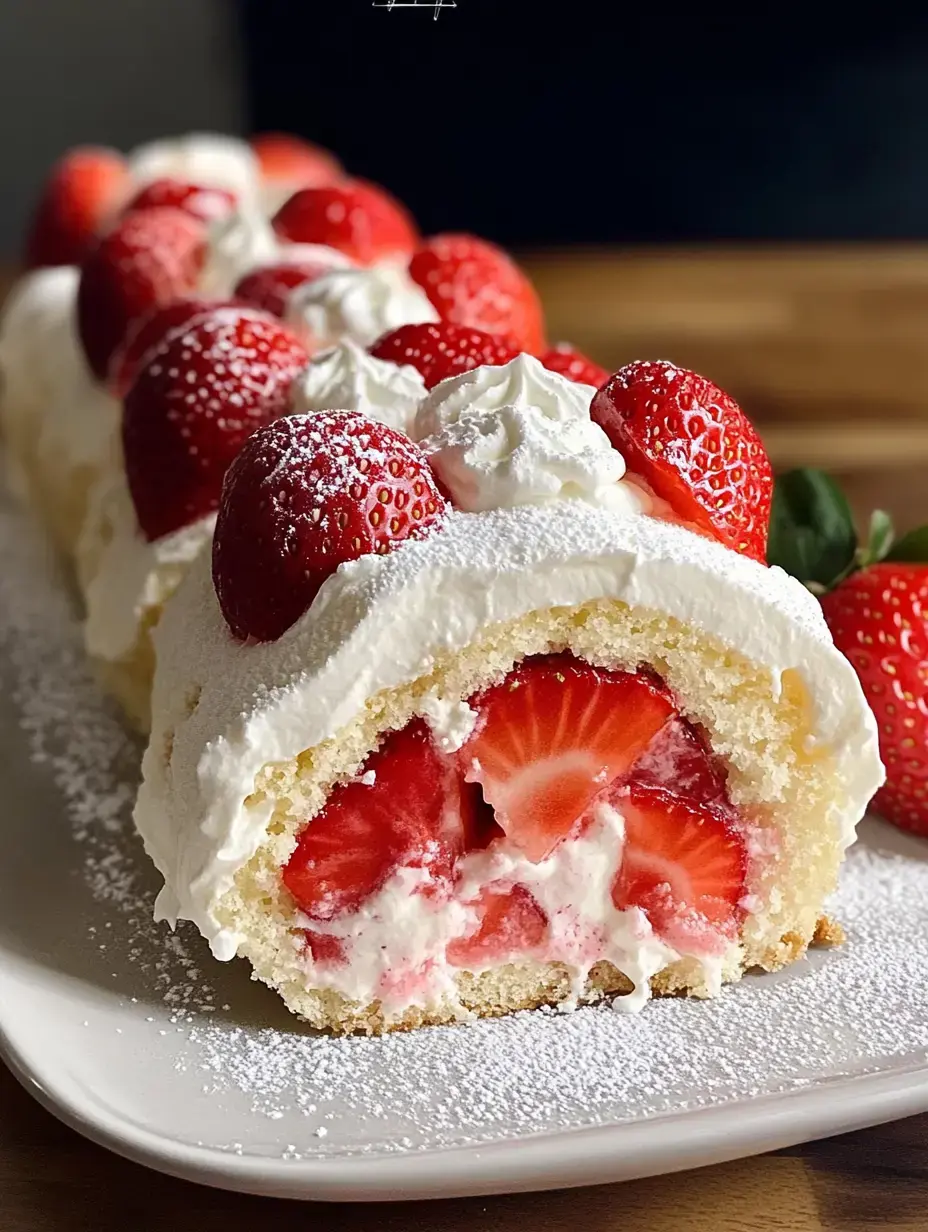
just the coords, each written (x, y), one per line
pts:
(512, 924)
(269, 287)
(473, 283)
(324, 948)
(83, 191)
(694, 447)
(679, 759)
(410, 816)
(149, 332)
(305, 495)
(684, 866)
(206, 203)
(289, 160)
(570, 362)
(149, 258)
(359, 219)
(552, 737)
(442, 350)
(187, 414)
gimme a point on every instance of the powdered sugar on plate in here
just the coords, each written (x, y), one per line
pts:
(243, 1077)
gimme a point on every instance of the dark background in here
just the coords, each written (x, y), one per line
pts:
(575, 122)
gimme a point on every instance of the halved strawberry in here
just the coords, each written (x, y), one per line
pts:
(307, 494)
(410, 816)
(269, 287)
(552, 736)
(149, 258)
(442, 350)
(472, 283)
(83, 191)
(679, 759)
(511, 924)
(684, 866)
(694, 447)
(206, 203)
(151, 331)
(188, 412)
(360, 219)
(286, 159)
(570, 362)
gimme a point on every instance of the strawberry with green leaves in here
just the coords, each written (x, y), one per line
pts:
(874, 598)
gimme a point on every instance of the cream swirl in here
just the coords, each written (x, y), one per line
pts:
(524, 381)
(360, 304)
(517, 434)
(346, 377)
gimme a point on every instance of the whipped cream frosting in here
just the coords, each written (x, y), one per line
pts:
(348, 378)
(53, 408)
(359, 304)
(124, 575)
(246, 241)
(214, 160)
(517, 434)
(378, 622)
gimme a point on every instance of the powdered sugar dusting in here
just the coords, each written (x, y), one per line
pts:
(276, 1088)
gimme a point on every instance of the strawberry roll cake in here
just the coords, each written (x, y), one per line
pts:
(511, 715)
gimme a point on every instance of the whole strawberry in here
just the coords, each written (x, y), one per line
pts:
(83, 190)
(474, 284)
(442, 350)
(204, 390)
(875, 600)
(694, 447)
(305, 495)
(361, 220)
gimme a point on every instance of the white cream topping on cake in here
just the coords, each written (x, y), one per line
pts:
(379, 622)
(246, 241)
(52, 405)
(360, 304)
(214, 160)
(347, 378)
(517, 434)
(124, 575)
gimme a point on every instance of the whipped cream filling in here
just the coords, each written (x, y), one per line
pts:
(246, 241)
(123, 575)
(395, 944)
(214, 160)
(517, 434)
(347, 378)
(379, 622)
(358, 304)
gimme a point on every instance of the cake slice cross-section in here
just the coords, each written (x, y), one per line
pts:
(542, 754)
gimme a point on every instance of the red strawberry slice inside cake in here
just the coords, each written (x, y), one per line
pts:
(486, 722)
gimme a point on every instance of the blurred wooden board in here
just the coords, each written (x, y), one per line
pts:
(795, 333)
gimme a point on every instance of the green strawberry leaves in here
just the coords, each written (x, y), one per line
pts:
(812, 534)
(912, 547)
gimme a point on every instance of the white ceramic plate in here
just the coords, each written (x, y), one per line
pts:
(140, 1041)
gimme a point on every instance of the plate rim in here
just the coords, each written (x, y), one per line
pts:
(567, 1158)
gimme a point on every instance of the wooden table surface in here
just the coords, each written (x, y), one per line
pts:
(830, 349)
